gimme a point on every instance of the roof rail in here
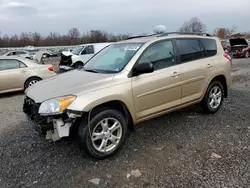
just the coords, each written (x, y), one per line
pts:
(140, 36)
(184, 33)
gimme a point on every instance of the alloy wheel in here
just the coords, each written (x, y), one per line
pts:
(106, 135)
(215, 97)
(32, 82)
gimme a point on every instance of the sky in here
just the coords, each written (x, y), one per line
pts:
(119, 16)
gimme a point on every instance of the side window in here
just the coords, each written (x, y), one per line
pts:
(161, 55)
(7, 64)
(210, 46)
(88, 50)
(19, 52)
(22, 65)
(190, 49)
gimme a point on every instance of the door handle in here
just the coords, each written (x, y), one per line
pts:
(175, 74)
(209, 65)
(23, 71)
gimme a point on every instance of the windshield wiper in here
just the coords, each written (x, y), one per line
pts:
(91, 70)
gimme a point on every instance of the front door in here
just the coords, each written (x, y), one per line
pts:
(159, 91)
(87, 53)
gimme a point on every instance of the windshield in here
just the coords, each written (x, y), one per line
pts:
(77, 50)
(113, 58)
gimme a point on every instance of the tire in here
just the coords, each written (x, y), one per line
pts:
(31, 81)
(247, 54)
(207, 104)
(95, 148)
(78, 65)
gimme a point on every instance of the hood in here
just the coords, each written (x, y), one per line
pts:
(69, 83)
(67, 53)
(238, 41)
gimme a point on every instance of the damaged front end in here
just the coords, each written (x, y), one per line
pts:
(53, 127)
(65, 62)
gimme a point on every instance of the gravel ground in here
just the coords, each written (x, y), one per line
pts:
(182, 149)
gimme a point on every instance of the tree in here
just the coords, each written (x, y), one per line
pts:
(36, 39)
(224, 32)
(98, 36)
(193, 25)
(74, 36)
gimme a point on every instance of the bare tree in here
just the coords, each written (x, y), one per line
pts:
(224, 32)
(73, 37)
(193, 25)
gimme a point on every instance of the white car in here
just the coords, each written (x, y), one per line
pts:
(29, 54)
(80, 54)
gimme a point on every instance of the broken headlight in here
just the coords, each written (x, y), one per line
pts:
(56, 105)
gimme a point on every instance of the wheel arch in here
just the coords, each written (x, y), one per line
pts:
(77, 62)
(222, 79)
(117, 105)
(31, 78)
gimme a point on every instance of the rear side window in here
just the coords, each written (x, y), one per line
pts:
(190, 49)
(210, 46)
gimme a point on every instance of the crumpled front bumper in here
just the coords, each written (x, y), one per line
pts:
(52, 127)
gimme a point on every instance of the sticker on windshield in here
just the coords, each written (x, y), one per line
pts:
(134, 48)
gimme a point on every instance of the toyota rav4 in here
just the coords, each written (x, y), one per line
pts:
(129, 82)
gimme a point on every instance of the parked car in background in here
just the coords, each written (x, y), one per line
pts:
(239, 47)
(29, 54)
(18, 73)
(79, 55)
(129, 82)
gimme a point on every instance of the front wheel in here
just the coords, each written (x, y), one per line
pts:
(214, 97)
(104, 135)
(78, 65)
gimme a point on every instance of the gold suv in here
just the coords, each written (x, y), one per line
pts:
(129, 82)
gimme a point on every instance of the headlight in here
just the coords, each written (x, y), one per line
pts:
(56, 105)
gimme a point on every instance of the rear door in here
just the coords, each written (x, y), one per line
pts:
(12, 74)
(196, 68)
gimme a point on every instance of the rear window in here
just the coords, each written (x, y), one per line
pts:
(210, 46)
(190, 49)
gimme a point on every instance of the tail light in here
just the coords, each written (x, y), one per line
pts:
(51, 69)
(228, 57)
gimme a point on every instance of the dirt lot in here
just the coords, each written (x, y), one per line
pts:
(182, 149)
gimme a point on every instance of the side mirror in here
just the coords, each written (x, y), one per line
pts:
(143, 69)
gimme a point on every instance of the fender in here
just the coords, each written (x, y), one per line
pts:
(120, 92)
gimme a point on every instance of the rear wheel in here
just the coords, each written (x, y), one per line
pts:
(213, 98)
(105, 134)
(31, 81)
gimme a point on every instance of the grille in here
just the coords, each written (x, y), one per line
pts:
(30, 108)
(65, 60)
